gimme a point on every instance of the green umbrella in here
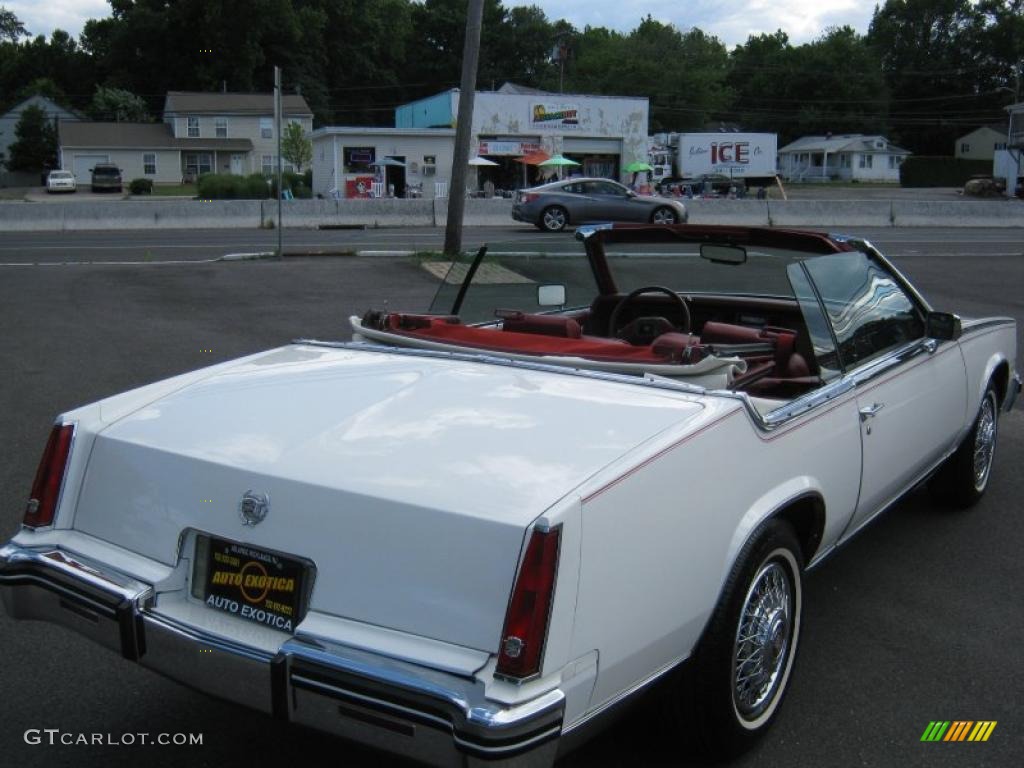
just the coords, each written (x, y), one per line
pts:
(559, 161)
(637, 167)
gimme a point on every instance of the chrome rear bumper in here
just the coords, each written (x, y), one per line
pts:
(437, 717)
(1012, 393)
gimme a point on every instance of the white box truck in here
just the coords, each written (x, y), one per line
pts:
(722, 158)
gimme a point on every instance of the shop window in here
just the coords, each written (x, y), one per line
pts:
(358, 159)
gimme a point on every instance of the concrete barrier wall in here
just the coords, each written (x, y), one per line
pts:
(750, 213)
(959, 213)
(190, 214)
(479, 212)
(31, 217)
(830, 213)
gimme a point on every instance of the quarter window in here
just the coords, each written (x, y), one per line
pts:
(193, 127)
(868, 311)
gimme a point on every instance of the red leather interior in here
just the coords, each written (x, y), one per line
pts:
(549, 325)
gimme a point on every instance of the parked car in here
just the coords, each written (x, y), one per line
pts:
(472, 533)
(60, 181)
(106, 178)
(554, 206)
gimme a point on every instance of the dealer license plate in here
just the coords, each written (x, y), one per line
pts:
(251, 583)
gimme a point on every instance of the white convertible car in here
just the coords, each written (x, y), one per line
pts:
(468, 535)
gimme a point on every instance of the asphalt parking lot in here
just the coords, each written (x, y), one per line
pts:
(918, 619)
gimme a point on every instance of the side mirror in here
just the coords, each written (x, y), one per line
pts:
(630, 193)
(550, 295)
(943, 326)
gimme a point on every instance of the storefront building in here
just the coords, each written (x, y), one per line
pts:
(518, 128)
(347, 162)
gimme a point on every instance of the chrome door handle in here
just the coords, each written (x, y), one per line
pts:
(930, 345)
(870, 410)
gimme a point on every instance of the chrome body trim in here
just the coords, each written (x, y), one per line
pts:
(984, 324)
(446, 719)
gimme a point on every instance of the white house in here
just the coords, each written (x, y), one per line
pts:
(1008, 163)
(200, 133)
(981, 143)
(845, 157)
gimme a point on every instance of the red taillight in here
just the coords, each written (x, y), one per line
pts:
(49, 477)
(527, 197)
(526, 623)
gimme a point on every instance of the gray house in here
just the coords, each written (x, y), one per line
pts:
(845, 157)
(9, 121)
(200, 133)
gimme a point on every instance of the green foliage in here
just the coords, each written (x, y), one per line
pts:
(117, 104)
(225, 186)
(35, 144)
(924, 171)
(141, 186)
(11, 27)
(295, 147)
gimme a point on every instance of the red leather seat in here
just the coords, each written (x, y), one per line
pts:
(549, 325)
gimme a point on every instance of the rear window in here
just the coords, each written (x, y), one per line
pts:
(106, 171)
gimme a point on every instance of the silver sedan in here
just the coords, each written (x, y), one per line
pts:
(576, 201)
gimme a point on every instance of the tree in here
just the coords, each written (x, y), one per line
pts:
(119, 105)
(295, 147)
(35, 144)
(11, 27)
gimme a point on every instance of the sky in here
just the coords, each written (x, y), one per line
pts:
(732, 22)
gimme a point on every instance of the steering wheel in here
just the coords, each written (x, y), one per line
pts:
(613, 326)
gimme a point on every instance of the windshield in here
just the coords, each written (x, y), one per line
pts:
(60, 175)
(509, 276)
(509, 279)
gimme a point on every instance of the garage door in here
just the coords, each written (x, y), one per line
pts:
(581, 146)
(84, 165)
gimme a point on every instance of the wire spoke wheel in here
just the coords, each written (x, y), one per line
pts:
(762, 644)
(984, 443)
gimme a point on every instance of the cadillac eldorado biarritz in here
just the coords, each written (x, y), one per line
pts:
(466, 535)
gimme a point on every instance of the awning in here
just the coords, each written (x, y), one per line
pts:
(534, 158)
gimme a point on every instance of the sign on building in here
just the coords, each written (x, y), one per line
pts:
(547, 115)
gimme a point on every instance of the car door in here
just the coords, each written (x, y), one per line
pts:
(611, 201)
(911, 391)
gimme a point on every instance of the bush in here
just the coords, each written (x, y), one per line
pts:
(226, 186)
(924, 171)
(141, 186)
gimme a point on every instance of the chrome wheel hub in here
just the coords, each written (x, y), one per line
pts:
(762, 640)
(664, 217)
(554, 219)
(984, 443)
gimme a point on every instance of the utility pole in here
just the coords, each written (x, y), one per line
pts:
(277, 131)
(463, 126)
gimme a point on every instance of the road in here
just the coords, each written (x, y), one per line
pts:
(194, 245)
(918, 619)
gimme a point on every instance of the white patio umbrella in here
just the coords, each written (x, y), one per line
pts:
(479, 162)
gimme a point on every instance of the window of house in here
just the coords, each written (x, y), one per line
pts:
(149, 164)
(999, 145)
(866, 161)
(268, 165)
(193, 127)
(266, 127)
(964, 147)
(198, 163)
(892, 161)
(358, 159)
(220, 125)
